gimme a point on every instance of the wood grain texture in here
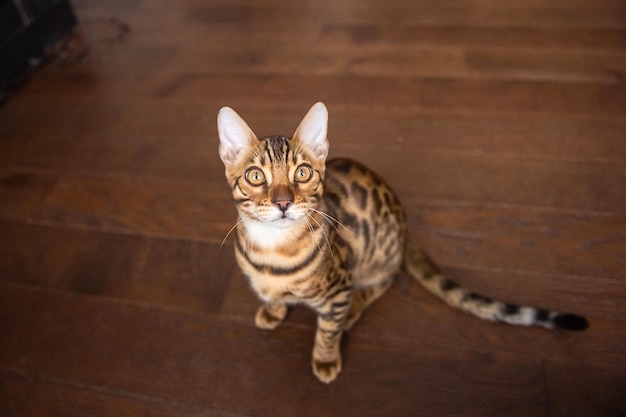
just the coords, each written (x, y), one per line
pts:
(131, 356)
(179, 274)
(500, 126)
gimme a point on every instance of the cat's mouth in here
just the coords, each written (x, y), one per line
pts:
(284, 219)
(278, 218)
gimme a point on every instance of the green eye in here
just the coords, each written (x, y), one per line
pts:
(303, 173)
(255, 176)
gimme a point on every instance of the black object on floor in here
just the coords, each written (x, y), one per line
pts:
(28, 28)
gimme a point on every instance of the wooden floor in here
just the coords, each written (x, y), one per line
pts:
(501, 125)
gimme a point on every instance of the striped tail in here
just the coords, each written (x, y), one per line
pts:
(420, 266)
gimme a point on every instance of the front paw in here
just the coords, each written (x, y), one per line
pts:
(327, 371)
(269, 316)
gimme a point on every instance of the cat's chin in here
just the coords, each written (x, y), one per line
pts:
(269, 234)
(282, 223)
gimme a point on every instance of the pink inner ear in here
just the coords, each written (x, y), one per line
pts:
(313, 129)
(234, 134)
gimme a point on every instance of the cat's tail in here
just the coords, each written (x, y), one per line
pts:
(420, 266)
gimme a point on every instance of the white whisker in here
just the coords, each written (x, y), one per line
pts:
(239, 220)
(310, 226)
(330, 219)
(323, 232)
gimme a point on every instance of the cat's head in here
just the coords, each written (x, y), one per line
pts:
(275, 180)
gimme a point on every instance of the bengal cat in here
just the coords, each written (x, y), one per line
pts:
(330, 235)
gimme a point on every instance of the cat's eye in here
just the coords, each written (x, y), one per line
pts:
(255, 176)
(303, 173)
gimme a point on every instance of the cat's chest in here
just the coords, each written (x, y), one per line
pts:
(270, 288)
(281, 275)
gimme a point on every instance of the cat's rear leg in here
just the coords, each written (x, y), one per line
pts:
(363, 298)
(270, 315)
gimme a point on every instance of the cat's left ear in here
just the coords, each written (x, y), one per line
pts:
(313, 129)
(235, 135)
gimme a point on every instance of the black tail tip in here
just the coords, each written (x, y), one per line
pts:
(570, 322)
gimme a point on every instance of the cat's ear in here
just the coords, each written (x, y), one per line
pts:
(235, 135)
(313, 129)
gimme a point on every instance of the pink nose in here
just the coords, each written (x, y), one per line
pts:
(283, 205)
(282, 196)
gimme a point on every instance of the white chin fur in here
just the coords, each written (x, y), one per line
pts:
(269, 234)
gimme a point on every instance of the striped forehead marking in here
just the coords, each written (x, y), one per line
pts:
(276, 148)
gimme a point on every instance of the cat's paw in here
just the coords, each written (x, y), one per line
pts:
(269, 316)
(327, 371)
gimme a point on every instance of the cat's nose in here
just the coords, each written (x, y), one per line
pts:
(282, 196)
(283, 205)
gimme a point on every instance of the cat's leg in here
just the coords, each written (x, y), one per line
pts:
(270, 315)
(363, 298)
(326, 360)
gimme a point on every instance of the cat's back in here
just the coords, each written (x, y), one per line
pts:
(345, 172)
(353, 185)
(372, 217)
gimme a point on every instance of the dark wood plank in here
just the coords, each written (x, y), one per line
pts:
(314, 54)
(605, 14)
(22, 192)
(193, 210)
(124, 138)
(573, 244)
(586, 388)
(527, 182)
(41, 395)
(190, 357)
(484, 37)
(386, 94)
(521, 136)
(319, 58)
(408, 49)
(176, 274)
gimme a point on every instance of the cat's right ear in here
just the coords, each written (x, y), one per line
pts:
(235, 135)
(313, 129)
